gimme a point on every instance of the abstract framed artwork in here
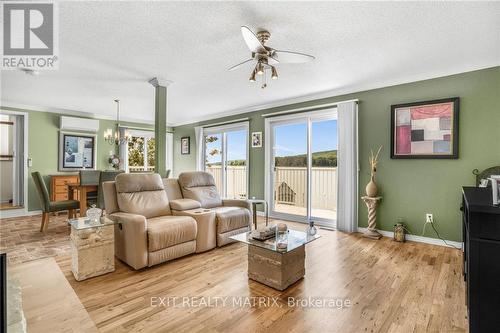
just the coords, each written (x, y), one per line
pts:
(425, 129)
(76, 151)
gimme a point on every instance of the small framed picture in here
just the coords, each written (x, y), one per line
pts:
(185, 145)
(256, 139)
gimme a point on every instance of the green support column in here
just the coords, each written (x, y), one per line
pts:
(161, 130)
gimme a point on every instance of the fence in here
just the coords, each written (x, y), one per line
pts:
(141, 169)
(236, 180)
(290, 186)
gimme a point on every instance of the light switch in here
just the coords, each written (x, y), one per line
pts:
(30, 162)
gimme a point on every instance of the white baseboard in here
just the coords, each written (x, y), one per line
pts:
(19, 212)
(420, 239)
(415, 238)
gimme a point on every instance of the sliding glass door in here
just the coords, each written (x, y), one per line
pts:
(302, 158)
(226, 151)
(290, 168)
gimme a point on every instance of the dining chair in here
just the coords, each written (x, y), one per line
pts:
(105, 176)
(51, 206)
(90, 177)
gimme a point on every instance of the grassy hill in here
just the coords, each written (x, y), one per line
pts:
(326, 158)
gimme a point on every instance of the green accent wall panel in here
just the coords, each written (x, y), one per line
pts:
(43, 147)
(410, 188)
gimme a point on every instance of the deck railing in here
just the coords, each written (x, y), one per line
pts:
(290, 186)
(141, 169)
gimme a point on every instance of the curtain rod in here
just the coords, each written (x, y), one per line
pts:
(308, 108)
(140, 128)
(225, 122)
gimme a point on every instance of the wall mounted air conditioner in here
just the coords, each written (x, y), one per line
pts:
(79, 124)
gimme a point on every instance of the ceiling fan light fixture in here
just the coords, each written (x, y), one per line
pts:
(274, 73)
(252, 76)
(260, 68)
(265, 57)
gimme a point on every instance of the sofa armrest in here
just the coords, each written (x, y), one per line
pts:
(184, 204)
(206, 237)
(237, 203)
(131, 239)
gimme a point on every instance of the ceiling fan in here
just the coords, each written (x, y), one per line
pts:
(266, 57)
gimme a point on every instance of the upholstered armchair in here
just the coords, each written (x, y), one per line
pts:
(146, 232)
(232, 215)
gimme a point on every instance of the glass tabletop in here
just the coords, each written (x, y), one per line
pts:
(86, 223)
(295, 239)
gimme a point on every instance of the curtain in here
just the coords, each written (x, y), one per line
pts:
(198, 132)
(123, 151)
(347, 167)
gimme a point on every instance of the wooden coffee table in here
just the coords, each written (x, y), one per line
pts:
(276, 268)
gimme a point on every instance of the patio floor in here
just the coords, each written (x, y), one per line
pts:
(297, 210)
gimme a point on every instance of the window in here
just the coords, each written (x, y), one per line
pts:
(141, 154)
(225, 157)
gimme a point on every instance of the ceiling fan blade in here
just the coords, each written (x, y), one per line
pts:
(292, 57)
(252, 41)
(272, 61)
(239, 65)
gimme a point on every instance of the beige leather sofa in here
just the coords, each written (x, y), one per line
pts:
(160, 220)
(194, 190)
(146, 232)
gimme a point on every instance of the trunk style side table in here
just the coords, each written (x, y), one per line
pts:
(274, 267)
(371, 204)
(92, 247)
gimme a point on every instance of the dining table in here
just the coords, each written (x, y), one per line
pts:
(82, 193)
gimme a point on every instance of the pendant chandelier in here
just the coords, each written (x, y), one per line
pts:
(114, 138)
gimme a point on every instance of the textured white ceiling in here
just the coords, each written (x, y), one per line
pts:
(109, 50)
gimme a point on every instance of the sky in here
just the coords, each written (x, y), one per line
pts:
(290, 140)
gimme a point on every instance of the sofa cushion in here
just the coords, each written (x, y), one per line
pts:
(141, 194)
(196, 179)
(200, 186)
(166, 231)
(184, 204)
(138, 182)
(172, 188)
(231, 218)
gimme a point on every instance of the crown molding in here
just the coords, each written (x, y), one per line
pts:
(333, 93)
(69, 112)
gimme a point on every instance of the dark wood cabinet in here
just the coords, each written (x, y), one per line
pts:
(481, 235)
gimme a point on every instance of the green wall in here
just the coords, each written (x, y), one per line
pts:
(410, 188)
(43, 148)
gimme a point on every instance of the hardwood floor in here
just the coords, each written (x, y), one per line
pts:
(392, 287)
(21, 239)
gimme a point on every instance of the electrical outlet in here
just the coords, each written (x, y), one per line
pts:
(429, 218)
